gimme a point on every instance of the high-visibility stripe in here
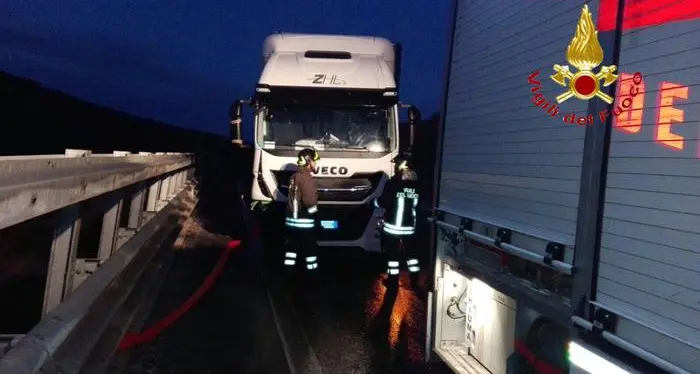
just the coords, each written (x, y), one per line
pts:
(391, 231)
(393, 264)
(393, 271)
(399, 228)
(289, 262)
(290, 255)
(413, 269)
(313, 209)
(300, 225)
(399, 212)
(412, 261)
(376, 203)
(311, 266)
(295, 208)
(304, 223)
(311, 259)
(300, 220)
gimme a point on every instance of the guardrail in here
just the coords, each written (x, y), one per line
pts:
(82, 295)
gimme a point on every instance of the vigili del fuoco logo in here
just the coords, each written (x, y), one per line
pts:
(585, 54)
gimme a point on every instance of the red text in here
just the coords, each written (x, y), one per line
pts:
(538, 98)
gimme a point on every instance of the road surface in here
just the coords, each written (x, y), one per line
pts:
(257, 320)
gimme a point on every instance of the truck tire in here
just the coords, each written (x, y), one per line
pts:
(547, 341)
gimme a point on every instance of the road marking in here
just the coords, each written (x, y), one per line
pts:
(280, 333)
(311, 362)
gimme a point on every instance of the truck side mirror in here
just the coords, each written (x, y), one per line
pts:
(413, 117)
(235, 116)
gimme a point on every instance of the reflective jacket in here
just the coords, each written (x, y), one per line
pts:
(400, 200)
(302, 200)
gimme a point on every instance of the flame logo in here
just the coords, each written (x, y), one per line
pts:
(584, 51)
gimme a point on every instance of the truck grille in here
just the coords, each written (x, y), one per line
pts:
(354, 188)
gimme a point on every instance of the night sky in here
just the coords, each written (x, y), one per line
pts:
(183, 62)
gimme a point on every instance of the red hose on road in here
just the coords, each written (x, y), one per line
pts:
(134, 338)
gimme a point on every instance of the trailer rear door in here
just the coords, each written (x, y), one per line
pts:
(649, 271)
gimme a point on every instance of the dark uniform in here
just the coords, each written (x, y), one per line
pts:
(301, 209)
(400, 199)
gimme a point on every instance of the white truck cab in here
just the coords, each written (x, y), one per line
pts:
(338, 95)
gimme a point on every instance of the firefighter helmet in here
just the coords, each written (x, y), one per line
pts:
(306, 156)
(401, 161)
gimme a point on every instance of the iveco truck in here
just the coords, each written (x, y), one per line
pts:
(339, 95)
(566, 221)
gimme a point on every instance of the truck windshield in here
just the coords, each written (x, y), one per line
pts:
(329, 128)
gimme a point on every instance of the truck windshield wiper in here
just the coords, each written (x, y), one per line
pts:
(285, 144)
(289, 144)
(344, 146)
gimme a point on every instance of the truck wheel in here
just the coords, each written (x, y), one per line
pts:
(547, 341)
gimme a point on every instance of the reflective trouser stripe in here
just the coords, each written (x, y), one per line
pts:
(301, 223)
(311, 262)
(412, 264)
(290, 258)
(393, 267)
(398, 230)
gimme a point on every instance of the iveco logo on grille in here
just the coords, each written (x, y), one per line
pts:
(331, 170)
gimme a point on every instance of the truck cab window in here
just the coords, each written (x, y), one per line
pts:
(336, 128)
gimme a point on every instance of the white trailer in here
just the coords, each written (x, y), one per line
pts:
(569, 247)
(339, 95)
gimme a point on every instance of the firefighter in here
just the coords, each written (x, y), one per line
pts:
(302, 206)
(400, 200)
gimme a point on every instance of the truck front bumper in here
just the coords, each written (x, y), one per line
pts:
(348, 226)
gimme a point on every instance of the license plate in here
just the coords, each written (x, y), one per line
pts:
(329, 225)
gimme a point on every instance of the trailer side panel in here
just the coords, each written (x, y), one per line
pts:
(649, 270)
(506, 161)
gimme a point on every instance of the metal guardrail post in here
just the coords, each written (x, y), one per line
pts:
(171, 185)
(136, 208)
(59, 277)
(178, 180)
(153, 196)
(110, 228)
(164, 192)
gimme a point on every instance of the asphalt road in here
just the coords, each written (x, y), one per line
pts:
(344, 320)
(257, 320)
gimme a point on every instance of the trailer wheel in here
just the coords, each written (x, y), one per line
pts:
(547, 341)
